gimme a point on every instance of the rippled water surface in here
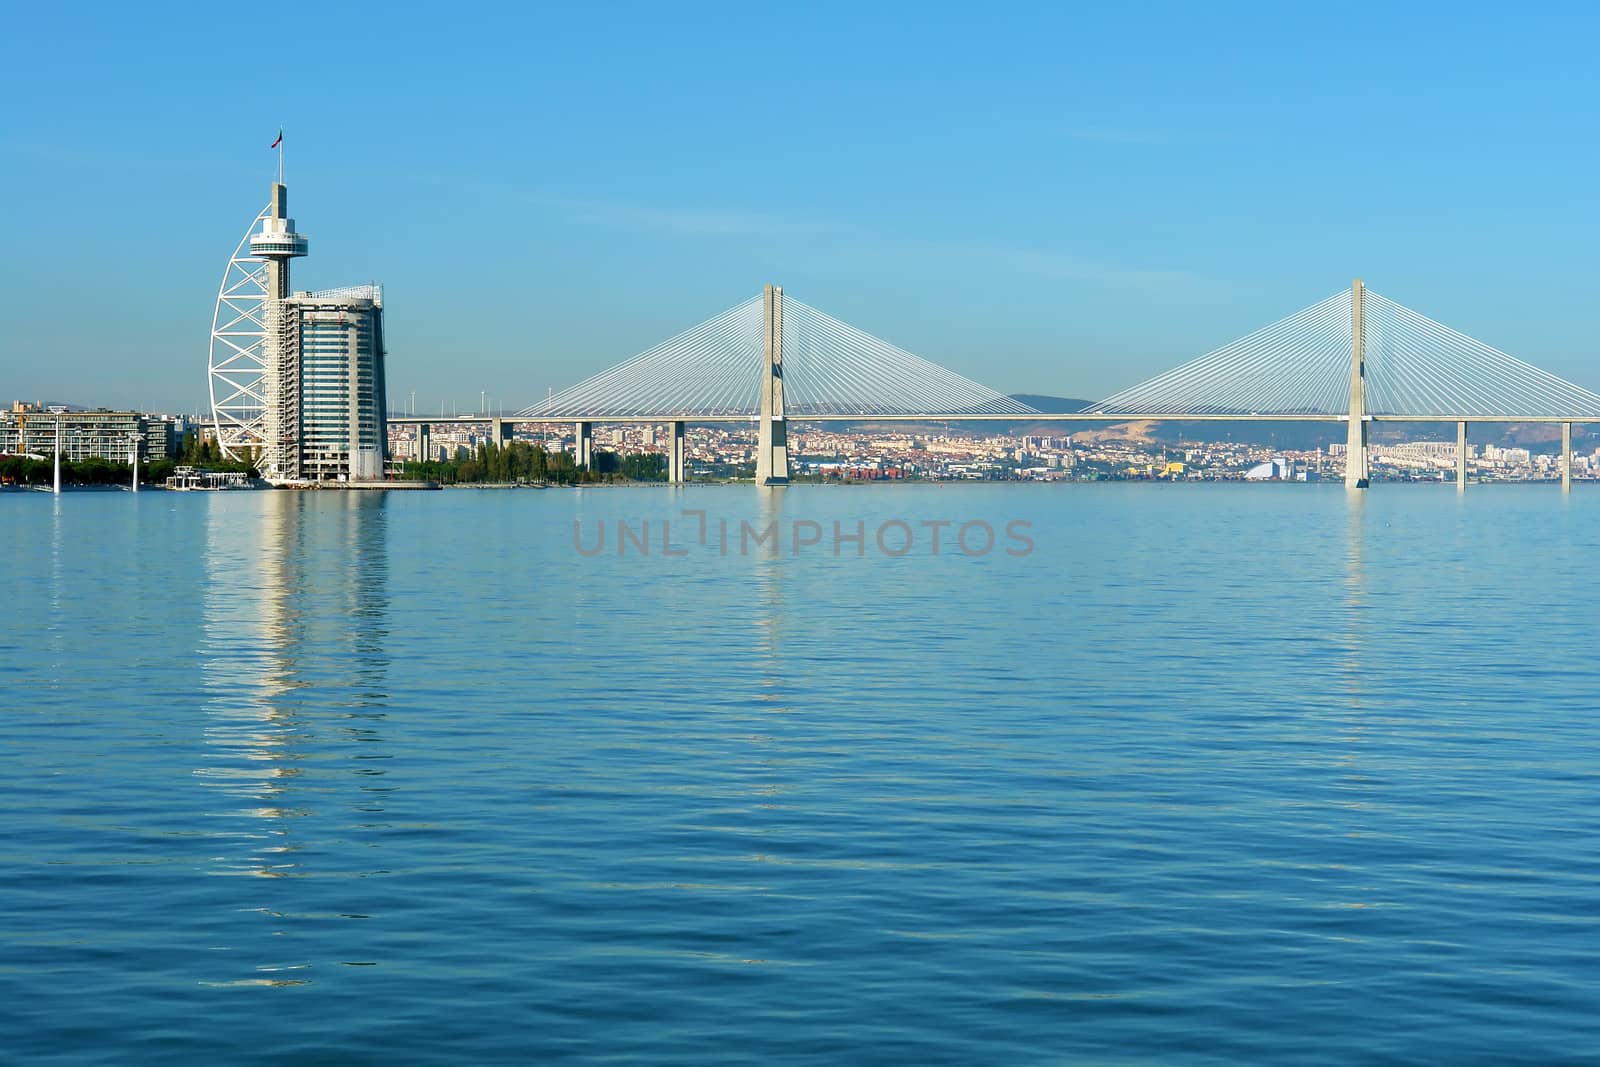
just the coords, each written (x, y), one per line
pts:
(1212, 774)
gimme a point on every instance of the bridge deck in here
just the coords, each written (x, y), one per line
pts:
(1043, 416)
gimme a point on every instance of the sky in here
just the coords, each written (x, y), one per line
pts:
(1050, 198)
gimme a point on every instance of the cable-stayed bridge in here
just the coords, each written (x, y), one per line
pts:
(1356, 357)
(829, 369)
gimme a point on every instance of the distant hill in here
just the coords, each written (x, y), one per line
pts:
(1012, 424)
(1292, 436)
(1053, 404)
(1303, 436)
(1289, 435)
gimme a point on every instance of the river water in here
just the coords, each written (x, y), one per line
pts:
(1166, 774)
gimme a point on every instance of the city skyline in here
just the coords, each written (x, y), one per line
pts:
(1074, 225)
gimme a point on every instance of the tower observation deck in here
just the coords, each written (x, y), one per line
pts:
(277, 242)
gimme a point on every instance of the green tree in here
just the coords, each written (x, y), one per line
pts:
(644, 467)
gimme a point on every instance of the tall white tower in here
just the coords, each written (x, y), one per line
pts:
(278, 243)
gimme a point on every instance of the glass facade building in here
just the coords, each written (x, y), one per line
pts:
(331, 387)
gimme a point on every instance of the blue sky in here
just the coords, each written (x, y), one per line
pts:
(1048, 198)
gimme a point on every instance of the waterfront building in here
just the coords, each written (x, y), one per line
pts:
(1507, 456)
(29, 429)
(1278, 468)
(331, 398)
(163, 434)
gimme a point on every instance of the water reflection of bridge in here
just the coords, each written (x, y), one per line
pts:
(1356, 358)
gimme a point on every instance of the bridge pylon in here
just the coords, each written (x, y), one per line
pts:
(772, 437)
(1355, 453)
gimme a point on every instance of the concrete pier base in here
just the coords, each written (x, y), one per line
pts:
(425, 443)
(677, 468)
(584, 448)
(1461, 455)
(1356, 472)
(501, 432)
(1566, 456)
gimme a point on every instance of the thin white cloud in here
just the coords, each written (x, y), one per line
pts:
(701, 222)
(1114, 136)
(695, 222)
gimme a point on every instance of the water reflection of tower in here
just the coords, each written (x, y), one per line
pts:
(768, 564)
(287, 677)
(364, 625)
(1355, 578)
(246, 640)
(1351, 663)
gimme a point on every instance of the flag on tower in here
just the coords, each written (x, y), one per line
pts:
(279, 141)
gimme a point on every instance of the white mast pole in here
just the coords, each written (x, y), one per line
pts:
(56, 487)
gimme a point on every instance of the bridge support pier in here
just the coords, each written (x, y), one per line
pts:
(501, 431)
(1355, 455)
(425, 443)
(1461, 455)
(1566, 457)
(583, 447)
(772, 434)
(676, 467)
